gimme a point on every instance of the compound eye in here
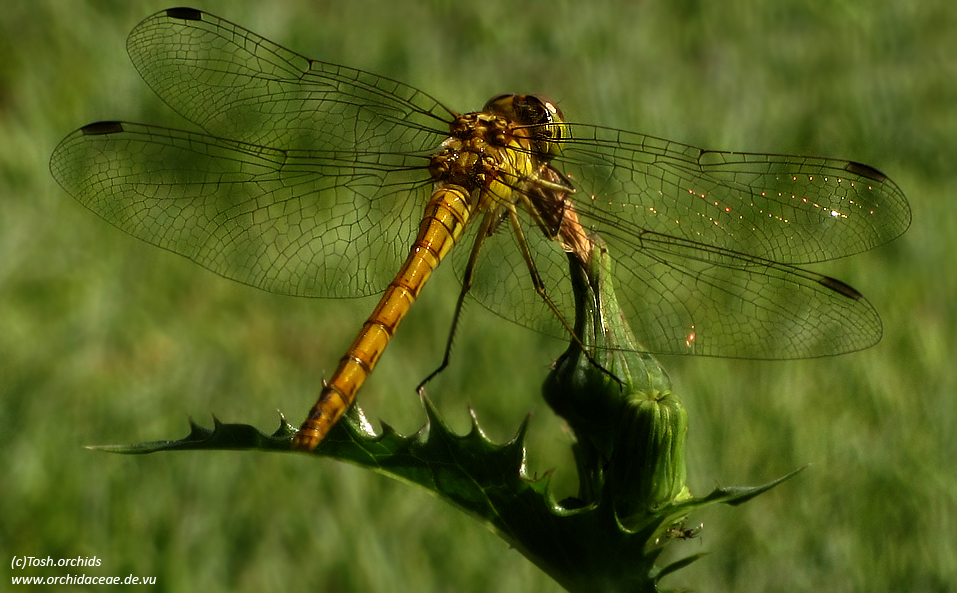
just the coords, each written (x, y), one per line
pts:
(501, 105)
(550, 129)
(542, 117)
(532, 110)
(549, 108)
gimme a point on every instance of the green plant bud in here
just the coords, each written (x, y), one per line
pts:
(617, 400)
(648, 468)
(605, 366)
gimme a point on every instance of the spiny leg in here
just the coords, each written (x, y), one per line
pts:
(540, 285)
(485, 230)
(533, 271)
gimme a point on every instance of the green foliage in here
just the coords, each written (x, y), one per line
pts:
(585, 549)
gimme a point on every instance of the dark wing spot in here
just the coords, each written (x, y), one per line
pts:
(840, 287)
(187, 14)
(865, 171)
(102, 127)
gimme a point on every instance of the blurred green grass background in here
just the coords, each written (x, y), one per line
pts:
(104, 339)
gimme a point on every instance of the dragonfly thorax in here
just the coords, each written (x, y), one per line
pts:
(483, 154)
(500, 148)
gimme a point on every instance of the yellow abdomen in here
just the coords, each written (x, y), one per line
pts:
(446, 215)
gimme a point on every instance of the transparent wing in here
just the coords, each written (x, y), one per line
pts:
(235, 84)
(789, 209)
(291, 222)
(309, 180)
(705, 243)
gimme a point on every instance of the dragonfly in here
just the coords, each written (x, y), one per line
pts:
(309, 178)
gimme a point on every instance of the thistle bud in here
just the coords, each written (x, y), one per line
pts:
(648, 468)
(617, 400)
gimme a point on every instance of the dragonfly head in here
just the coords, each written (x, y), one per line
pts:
(542, 118)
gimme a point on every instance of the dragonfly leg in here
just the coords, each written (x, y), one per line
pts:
(487, 225)
(533, 271)
(576, 252)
